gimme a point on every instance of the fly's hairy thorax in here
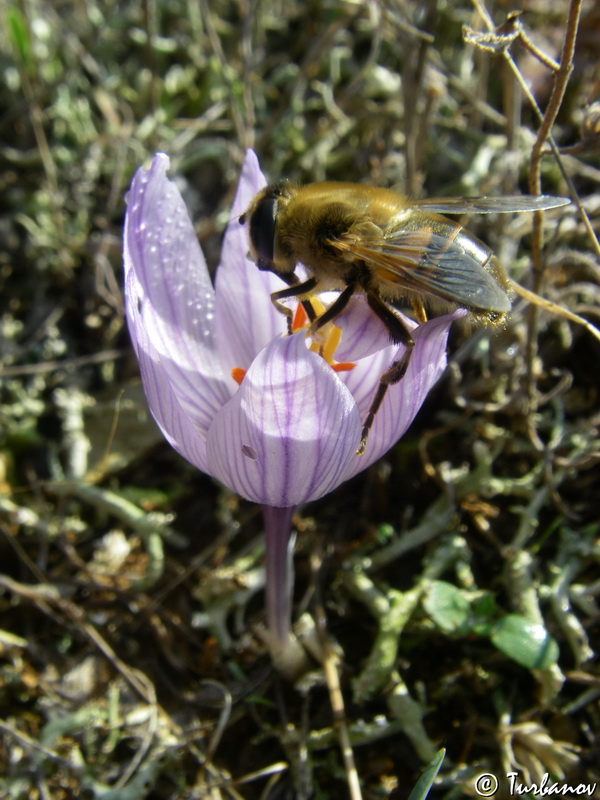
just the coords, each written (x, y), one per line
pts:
(373, 240)
(317, 216)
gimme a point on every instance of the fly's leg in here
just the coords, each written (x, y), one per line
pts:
(295, 289)
(399, 334)
(391, 376)
(309, 285)
(335, 309)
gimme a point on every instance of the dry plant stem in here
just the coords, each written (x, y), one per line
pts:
(273, 771)
(224, 718)
(545, 135)
(31, 744)
(553, 146)
(403, 707)
(546, 60)
(560, 601)
(523, 590)
(45, 598)
(143, 750)
(392, 610)
(561, 79)
(337, 705)
(412, 80)
(66, 363)
(554, 308)
(436, 520)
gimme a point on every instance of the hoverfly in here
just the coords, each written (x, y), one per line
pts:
(398, 253)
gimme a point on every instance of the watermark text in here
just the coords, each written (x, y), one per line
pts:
(487, 785)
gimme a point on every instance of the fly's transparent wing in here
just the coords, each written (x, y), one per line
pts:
(428, 261)
(491, 205)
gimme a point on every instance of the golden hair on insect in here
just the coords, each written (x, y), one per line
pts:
(354, 238)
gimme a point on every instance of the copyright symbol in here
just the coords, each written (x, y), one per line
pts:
(486, 785)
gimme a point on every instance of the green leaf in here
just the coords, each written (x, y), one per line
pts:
(19, 34)
(425, 782)
(448, 607)
(484, 611)
(526, 642)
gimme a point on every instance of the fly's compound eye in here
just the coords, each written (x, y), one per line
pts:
(262, 231)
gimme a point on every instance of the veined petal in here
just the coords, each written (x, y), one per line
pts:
(171, 295)
(163, 403)
(291, 430)
(363, 333)
(364, 378)
(404, 399)
(246, 318)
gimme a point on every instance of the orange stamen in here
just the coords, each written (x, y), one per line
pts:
(300, 318)
(326, 340)
(343, 366)
(238, 374)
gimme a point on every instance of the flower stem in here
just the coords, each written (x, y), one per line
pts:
(280, 576)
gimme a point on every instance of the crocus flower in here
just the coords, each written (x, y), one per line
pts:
(289, 433)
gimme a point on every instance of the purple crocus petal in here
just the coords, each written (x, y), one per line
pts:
(164, 406)
(291, 430)
(173, 292)
(362, 381)
(404, 399)
(363, 333)
(246, 318)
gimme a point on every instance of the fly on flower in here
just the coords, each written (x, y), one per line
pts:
(288, 432)
(362, 239)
